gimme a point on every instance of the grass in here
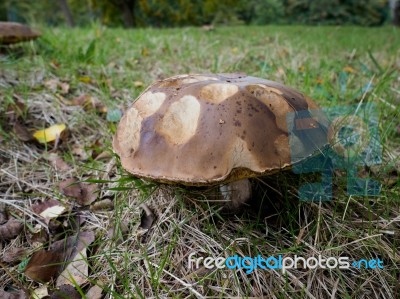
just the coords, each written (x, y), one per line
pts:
(332, 65)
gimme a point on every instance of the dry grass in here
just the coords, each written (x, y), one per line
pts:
(130, 262)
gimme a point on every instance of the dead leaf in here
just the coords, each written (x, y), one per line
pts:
(40, 292)
(38, 238)
(10, 229)
(85, 79)
(64, 87)
(349, 69)
(147, 219)
(50, 134)
(47, 264)
(138, 83)
(66, 292)
(103, 156)
(44, 264)
(84, 193)
(22, 132)
(56, 85)
(94, 292)
(105, 204)
(79, 151)
(88, 103)
(48, 209)
(51, 84)
(58, 163)
(16, 110)
(13, 295)
(145, 52)
(77, 271)
(13, 255)
(55, 64)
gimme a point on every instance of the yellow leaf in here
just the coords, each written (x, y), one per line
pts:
(138, 83)
(145, 52)
(49, 134)
(85, 79)
(349, 69)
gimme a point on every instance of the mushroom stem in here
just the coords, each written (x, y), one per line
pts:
(236, 193)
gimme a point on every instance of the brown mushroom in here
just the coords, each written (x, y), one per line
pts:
(11, 33)
(210, 129)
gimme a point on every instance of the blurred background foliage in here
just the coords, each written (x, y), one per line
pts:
(171, 13)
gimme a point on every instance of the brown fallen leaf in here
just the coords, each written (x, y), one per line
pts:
(22, 132)
(13, 295)
(10, 229)
(48, 209)
(105, 204)
(47, 264)
(16, 109)
(88, 102)
(56, 85)
(147, 219)
(38, 238)
(58, 163)
(84, 193)
(76, 272)
(66, 292)
(79, 151)
(54, 64)
(40, 292)
(13, 255)
(64, 87)
(95, 292)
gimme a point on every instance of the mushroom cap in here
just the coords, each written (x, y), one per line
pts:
(209, 129)
(11, 33)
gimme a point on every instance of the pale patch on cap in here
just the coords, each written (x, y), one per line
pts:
(129, 137)
(179, 122)
(241, 157)
(149, 103)
(218, 92)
